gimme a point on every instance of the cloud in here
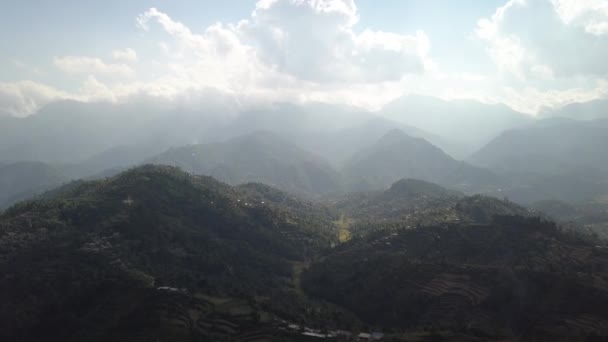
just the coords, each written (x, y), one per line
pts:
(90, 65)
(592, 15)
(127, 55)
(24, 97)
(315, 40)
(214, 57)
(546, 53)
(544, 39)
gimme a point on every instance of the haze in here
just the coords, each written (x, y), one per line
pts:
(293, 170)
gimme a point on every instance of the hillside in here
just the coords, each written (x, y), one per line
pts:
(21, 180)
(150, 245)
(73, 132)
(513, 278)
(548, 146)
(469, 122)
(261, 157)
(397, 155)
(589, 216)
(554, 159)
(340, 145)
(591, 110)
(414, 203)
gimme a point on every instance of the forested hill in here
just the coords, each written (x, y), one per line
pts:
(258, 157)
(64, 258)
(397, 155)
(514, 278)
(412, 203)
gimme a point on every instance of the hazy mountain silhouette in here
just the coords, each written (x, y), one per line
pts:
(397, 155)
(467, 122)
(550, 146)
(591, 110)
(338, 146)
(22, 180)
(261, 157)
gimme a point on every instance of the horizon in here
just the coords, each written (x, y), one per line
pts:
(356, 53)
(301, 170)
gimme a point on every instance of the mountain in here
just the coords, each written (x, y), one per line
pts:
(589, 216)
(153, 253)
(513, 278)
(340, 145)
(557, 159)
(297, 119)
(109, 161)
(72, 132)
(469, 122)
(122, 135)
(548, 147)
(397, 155)
(592, 110)
(261, 157)
(414, 203)
(19, 181)
(23, 180)
(404, 197)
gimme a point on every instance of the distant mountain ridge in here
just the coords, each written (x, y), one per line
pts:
(548, 146)
(397, 155)
(467, 122)
(416, 203)
(338, 146)
(19, 181)
(591, 110)
(262, 157)
(552, 159)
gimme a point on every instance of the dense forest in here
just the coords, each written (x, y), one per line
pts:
(155, 251)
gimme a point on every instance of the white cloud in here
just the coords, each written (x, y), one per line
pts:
(90, 65)
(24, 97)
(547, 53)
(592, 15)
(543, 39)
(316, 40)
(127, 55)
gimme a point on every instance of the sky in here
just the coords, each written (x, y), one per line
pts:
(531, 55)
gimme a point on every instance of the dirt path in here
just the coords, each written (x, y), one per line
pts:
(298, 268)
(344, 228)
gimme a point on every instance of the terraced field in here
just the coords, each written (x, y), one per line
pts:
(515, 276)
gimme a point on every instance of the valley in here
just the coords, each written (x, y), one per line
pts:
(171, 242)
(285, 229)
(304, 171)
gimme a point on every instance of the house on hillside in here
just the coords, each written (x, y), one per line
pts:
(375, 336)
(314, 335)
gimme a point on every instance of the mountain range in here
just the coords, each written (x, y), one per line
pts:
(152, 247)
(259, 157)
(466, 124)
(158, 253)
(397, 155)
(591, 110)
(559, 159)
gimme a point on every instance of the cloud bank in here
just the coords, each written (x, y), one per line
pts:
(546, 53)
